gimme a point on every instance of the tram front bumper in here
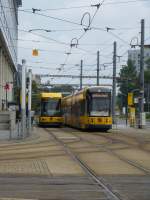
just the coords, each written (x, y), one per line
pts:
(50, 120)
(100, 122)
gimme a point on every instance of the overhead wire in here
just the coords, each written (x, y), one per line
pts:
(81, 29)
(79, 7)
(91, 21)
(84, 32)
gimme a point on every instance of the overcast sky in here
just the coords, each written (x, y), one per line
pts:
(123, 17)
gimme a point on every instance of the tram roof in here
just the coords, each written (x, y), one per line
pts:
(93, 89)
(98, 89)
(51, 95)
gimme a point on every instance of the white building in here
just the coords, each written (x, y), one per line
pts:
(134, 55)
(8, 46)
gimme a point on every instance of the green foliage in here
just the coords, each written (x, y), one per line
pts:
(147, 72)
(128, 78)
(148, 63)
(17, 95)
(147, 76)
(34, 86)
(128, 81)
(148, 116)
(35, 97)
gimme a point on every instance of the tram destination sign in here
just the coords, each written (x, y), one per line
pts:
(104, 95)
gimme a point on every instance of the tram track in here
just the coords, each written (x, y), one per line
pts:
(116, 140)
(107, 189)
(83, 161)
(111, 152)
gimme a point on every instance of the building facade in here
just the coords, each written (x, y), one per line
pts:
(8, 48)
(134, 55)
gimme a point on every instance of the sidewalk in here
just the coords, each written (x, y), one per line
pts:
(143, 134)
(37, 155)
(5, 134)
(121, 125)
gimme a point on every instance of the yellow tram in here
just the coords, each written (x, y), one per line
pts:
(89, 108)
(50, 113)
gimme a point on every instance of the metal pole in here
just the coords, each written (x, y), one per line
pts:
(1, 79)
(98, 62)
(6, 100)
(81, 74)
(141, 97)
(23, 99)
(29, 100)
(148, 96)
(114, 83)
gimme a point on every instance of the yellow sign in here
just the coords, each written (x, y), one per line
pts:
(132, 110)
(51, 95)
(130, 99)
(35, 52)
(132, 119)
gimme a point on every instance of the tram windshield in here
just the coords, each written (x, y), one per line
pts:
(51, 107)
(100, 106)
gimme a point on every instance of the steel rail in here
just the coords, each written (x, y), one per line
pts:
(103, 147)
(107, 189)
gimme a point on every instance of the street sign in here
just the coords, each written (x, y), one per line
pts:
(136, 100)
(7, 87)
(132, 116)
(130, 99)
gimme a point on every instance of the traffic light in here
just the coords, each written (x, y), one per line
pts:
(35, 52)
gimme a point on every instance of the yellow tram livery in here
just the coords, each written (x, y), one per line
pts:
(50, 113)
(89, 108)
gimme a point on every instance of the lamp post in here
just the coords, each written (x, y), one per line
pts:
(23, 99)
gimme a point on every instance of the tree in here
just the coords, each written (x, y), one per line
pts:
(128, 81)
(35, 97)
(147, 84)
(147, 62)
(147, 72)
(128, 78)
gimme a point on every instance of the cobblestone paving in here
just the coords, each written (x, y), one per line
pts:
(39, 155)
(26, 167)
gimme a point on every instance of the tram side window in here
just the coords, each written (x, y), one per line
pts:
(73, 109)
(69, 111)
(82, 107)
(76, 108)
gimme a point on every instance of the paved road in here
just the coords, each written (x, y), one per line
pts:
(40, 167)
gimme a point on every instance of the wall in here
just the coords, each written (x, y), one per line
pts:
(8, 46)
(134, 55)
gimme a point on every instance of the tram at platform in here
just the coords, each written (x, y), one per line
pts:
(50, 111)
(89, 108)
